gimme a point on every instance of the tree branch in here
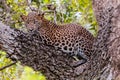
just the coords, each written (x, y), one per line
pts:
(7, 66)
(29, 50)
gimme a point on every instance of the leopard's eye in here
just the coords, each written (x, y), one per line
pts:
(27, 22)
(34, 21)
(39, 14)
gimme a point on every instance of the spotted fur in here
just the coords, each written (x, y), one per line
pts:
(70, 38)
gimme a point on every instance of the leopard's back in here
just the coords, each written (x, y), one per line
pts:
(69, 38)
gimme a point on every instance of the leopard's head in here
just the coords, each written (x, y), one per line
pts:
(33, 20)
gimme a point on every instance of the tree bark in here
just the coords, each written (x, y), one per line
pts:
(29, 50)
(56, 65)
(106, 56)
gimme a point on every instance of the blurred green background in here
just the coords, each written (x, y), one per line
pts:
(68, 11)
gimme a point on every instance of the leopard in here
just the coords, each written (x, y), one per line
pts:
(71, 38)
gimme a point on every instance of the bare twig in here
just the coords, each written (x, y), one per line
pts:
(8, 66)
(49, 11)
(52, 8)
(6, 7)
(31, 8)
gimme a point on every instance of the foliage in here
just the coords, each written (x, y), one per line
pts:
(68, 11)
(77, 11)
(17, 72)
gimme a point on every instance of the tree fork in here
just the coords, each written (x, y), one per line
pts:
(104, 62)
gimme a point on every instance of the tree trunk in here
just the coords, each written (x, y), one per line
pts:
(56, 65)
(107, 45)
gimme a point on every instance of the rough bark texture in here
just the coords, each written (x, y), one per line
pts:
(105, 60)
(106, 56)
(28, 49)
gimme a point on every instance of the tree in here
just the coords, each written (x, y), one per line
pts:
(107, 43)
(103, 65)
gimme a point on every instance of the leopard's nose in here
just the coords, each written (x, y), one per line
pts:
(30, 27)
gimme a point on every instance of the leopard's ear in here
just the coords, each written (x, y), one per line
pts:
(23, 17)
(41, 15)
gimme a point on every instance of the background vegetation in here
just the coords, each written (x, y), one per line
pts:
(68, 11)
